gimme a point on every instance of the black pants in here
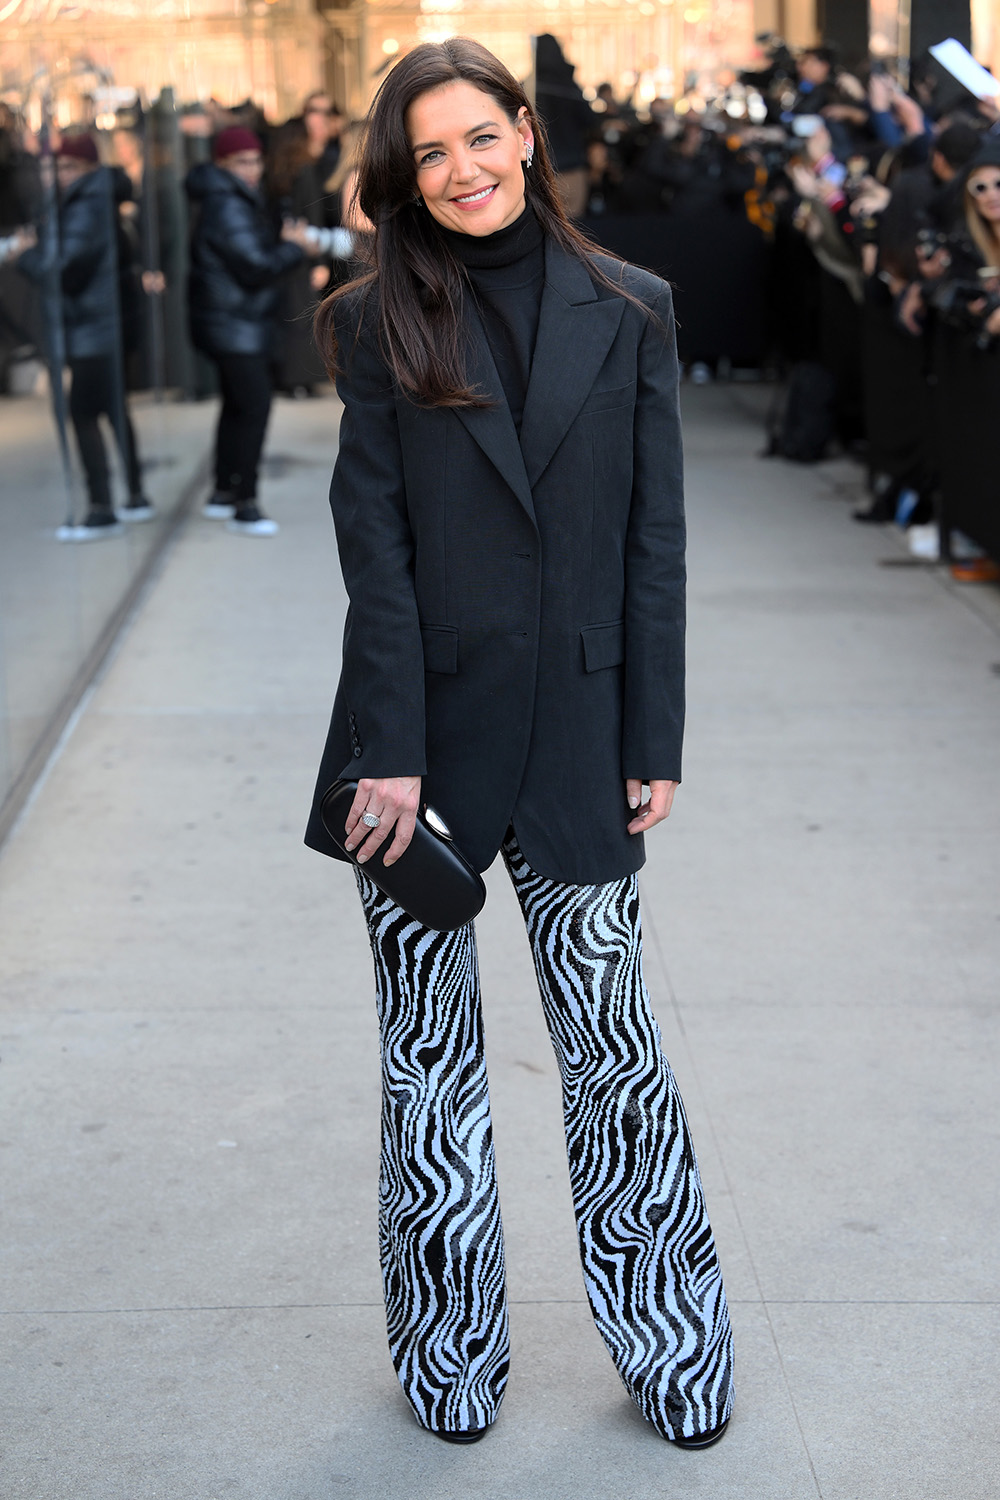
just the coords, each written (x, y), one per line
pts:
(95, 393)
(245, 380)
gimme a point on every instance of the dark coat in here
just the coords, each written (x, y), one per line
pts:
(568, 118)
(98, 266)
(237, 261)
(297, 360)
(515, 632)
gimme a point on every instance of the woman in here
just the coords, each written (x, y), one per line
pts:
(965, 340)
(100, 307)
(342, 185)
(508, 507)
(294, 184)
(237, 263)
(982, 206)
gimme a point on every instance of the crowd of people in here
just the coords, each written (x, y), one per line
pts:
(267, 216)
(879, 210)
(860, 217)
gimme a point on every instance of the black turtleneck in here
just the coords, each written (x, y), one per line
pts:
(507, 273)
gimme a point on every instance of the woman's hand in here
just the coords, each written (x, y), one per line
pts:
(661, 798)
(394, 800)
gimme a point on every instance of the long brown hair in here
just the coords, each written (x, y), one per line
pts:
(419, 281)
(984, 236)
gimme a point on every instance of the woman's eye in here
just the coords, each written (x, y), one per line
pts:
(429, 159)
(484, 139)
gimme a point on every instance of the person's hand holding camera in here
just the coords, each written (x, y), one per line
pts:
(932, 263)
(911, 309)
(908, 113)
(805, 182)
(880, 93)
(23, 239)
(871, 198)
(296, 232)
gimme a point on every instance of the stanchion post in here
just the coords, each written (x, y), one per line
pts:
(150, 224)
(52, 305)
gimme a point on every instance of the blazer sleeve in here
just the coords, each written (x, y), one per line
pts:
(655, 575)
(383, 672)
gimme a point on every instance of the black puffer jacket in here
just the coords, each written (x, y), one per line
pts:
(237, 261)
(99, 272)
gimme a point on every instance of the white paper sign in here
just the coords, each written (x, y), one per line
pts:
(961, 64)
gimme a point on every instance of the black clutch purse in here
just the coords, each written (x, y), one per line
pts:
(432, 880)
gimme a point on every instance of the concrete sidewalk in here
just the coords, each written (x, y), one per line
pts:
(190, 1278)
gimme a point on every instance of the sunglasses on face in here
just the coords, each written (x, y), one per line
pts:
(985, 187)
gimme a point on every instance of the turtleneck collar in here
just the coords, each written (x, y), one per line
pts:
(504, 248)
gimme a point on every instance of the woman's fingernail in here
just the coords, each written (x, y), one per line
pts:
(348, 847)
(633, 802)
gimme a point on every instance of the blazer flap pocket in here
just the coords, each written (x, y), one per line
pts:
(608, 399)
(603, 645)
(440, 647)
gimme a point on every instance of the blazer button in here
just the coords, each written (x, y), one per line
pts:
(357, 751)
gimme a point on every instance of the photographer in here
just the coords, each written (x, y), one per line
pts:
(237, 262)
(906, 240)
(696, 171)
(834, 95)
(965, 302)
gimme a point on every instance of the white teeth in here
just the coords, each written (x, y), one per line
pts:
(475, 197)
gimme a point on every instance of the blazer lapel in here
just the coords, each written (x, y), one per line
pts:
(493, 426)
(575, 331)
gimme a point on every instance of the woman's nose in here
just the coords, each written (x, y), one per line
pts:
(465, 168)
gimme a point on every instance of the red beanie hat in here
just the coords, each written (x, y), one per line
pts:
(79, 148)
(235, 138)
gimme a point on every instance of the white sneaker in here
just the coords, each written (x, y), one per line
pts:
(138, 508)
(924, 542)
(247, 520)
(964, 548)
(218, 508)
(94, 528)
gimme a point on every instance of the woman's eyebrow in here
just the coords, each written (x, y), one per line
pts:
(426, 145)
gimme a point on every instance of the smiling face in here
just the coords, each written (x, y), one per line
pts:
(983, 188)
(467, 157)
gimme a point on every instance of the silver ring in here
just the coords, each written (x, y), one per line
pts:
(370, 820)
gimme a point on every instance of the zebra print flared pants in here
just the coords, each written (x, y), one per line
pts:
(649, 1261)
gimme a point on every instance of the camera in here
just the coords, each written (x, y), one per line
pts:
(953, 302)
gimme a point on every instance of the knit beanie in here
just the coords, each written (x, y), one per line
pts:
(233, 139)
(79, 148)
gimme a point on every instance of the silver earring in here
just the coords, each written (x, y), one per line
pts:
(529, 153)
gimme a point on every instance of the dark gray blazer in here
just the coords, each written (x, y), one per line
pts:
(516, 625)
